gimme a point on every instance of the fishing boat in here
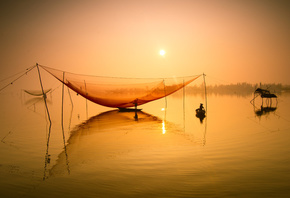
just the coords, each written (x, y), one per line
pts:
(200, 112)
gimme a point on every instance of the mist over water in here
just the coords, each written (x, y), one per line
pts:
(240, 149)
(237, 150)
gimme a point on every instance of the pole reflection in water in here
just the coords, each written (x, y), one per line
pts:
(263, 110)
(163, 127)
(47, 155)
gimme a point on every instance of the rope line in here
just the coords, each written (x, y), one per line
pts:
(25, 73)
(43, 66)
(17, 73)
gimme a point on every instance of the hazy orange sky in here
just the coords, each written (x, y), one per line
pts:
(233, 41)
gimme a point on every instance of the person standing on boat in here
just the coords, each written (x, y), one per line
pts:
(201, 106)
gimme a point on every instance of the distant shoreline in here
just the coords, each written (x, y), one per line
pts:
(238, 88)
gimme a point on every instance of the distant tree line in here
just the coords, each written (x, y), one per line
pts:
(237, 89)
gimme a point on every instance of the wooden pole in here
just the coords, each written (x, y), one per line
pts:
(47, 156)
(44, 97)
(86, 99)
(63, 136)
(205, 93)
(183, 107)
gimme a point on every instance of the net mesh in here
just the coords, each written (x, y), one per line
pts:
(120, 92)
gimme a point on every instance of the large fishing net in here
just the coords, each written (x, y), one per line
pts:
(120, 92)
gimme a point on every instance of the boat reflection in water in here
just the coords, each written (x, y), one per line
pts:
(114, 135)
(265, 111)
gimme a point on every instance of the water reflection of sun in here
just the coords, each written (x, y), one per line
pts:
(163, 127)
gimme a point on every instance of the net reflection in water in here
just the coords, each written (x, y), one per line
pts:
(115, 135)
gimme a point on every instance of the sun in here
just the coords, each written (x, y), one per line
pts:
(162, 52)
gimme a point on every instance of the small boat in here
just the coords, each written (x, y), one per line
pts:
(200, 113)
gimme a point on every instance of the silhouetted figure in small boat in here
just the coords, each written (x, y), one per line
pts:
(201, 106)
(200, 112)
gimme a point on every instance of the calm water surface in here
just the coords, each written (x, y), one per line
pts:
(233, 152)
